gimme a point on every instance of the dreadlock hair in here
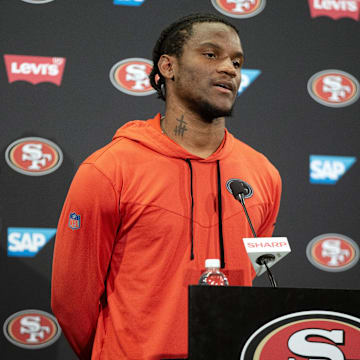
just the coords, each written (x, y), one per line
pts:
(172, 40)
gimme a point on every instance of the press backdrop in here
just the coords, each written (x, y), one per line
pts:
(66, 78)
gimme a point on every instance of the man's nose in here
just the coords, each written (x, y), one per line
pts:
(227, 67)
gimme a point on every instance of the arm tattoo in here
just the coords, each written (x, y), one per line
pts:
(181, 127)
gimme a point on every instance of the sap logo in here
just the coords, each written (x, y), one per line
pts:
(129, 2)
(27, 242)
(329, 169)
(247, 77)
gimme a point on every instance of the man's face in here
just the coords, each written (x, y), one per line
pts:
(208, 71)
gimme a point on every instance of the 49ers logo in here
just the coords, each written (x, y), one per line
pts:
(131, 76)
(239, 8)
(306, 335)
(333, 88)
(34, 69)
(332, 252)
(34, 156)
(32, 329)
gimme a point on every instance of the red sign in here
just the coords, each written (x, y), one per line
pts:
(34, 69)
(131, 76)
(32, 329)
(239, 8)
(335, 9)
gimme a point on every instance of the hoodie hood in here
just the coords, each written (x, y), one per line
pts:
(149, 134)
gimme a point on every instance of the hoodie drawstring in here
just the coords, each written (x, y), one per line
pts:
(221, 239)
(192, 210)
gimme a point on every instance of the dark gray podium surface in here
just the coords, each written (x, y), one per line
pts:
(250, 323)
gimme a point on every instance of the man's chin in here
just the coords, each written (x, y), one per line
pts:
(209, 112)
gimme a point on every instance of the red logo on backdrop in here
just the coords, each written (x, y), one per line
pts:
(306, 335)
(34, 69)
(131, 76)
(34, 156)
(334, 88)
(239, 8)
(32, 329)
(333, 252)
(335, 9)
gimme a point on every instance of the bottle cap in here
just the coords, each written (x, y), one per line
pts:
(212, 263)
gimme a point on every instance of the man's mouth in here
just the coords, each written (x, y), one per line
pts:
(225, 86)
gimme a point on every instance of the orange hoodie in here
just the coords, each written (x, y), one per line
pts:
(140, 219)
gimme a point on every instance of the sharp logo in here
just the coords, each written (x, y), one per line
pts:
(335, 9)
(27, 242)
(34, 156)
(239, 8)
(31, 329)
(129, 2)
(328, 170)
(34, 69)
(248, 76)
(306, 335)
(131, 76)
(332, 252)
(334, 88)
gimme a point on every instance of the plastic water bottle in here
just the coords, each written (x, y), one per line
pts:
(212, 274)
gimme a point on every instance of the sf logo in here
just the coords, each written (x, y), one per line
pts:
(338, 91)
(137, 73)
(31, 325)
(302, 343)
(34, 154)
(241, 5)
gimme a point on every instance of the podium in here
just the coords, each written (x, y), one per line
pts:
(248, 323)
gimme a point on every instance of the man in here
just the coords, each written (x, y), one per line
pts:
(145, 212)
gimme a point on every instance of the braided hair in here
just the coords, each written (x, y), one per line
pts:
(172, 40)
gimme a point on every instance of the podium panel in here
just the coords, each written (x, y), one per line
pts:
(250, 323)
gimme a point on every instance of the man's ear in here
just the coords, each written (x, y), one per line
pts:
(167, 66)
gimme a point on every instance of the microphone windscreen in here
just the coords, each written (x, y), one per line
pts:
(237, 188)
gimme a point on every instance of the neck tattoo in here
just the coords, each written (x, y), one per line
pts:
(180, 127)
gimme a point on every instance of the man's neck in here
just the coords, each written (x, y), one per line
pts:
(197, 136)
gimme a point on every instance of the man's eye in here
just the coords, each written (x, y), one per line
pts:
(237, 64)
(209, 55)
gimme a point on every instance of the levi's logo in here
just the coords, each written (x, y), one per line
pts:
(34, 69)
(335, 9)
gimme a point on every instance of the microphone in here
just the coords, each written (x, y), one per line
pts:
(239, 190)
(263, 252)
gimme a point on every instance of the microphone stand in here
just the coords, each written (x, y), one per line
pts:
(264, 259)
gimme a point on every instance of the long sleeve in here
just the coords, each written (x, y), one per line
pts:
(85, 238)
